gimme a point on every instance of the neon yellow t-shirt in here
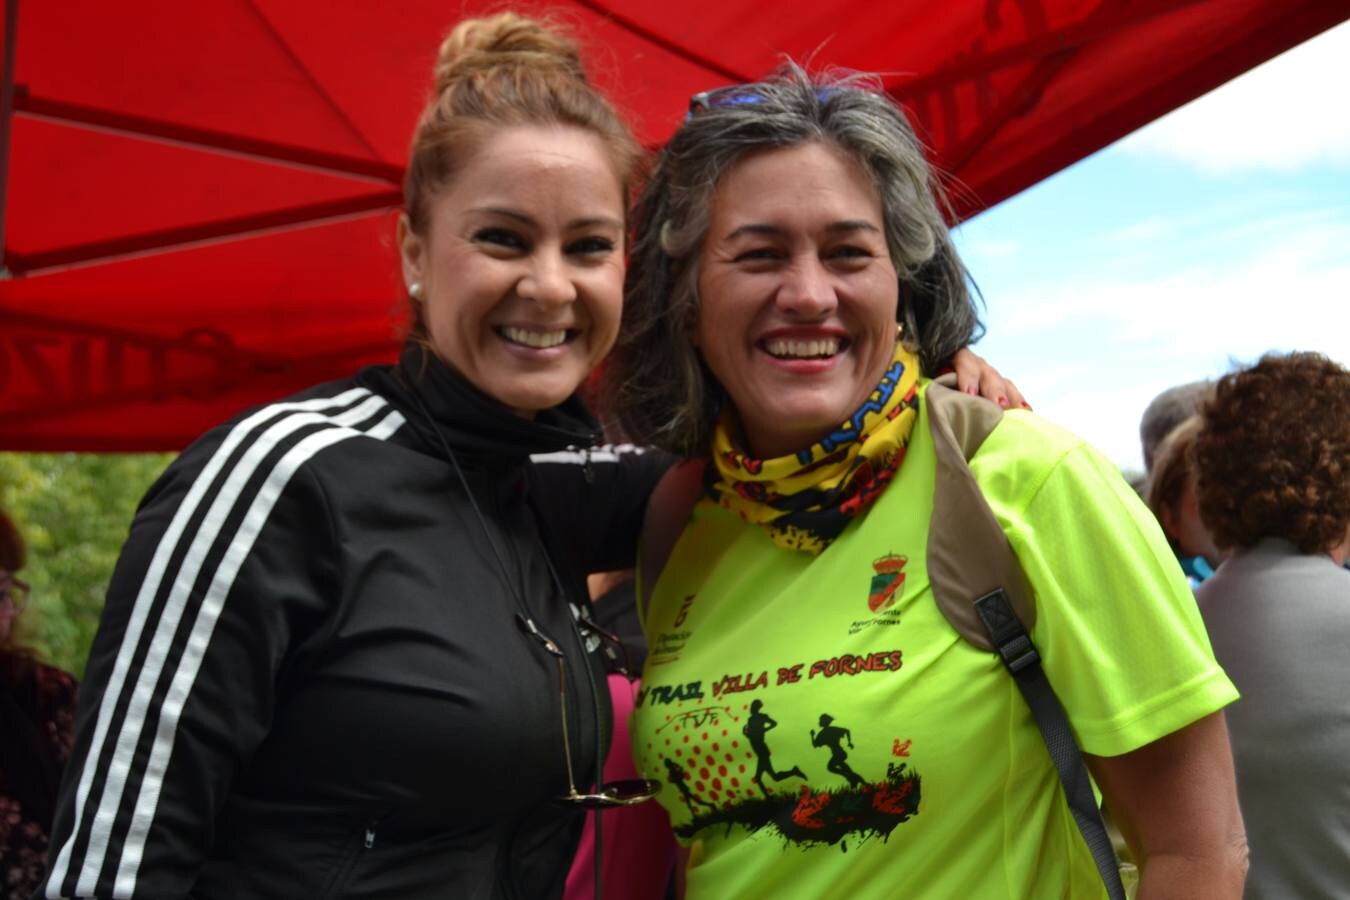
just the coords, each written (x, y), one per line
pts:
(822, 731)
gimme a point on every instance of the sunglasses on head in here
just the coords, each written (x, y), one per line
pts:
(627, 792)
(740, 95)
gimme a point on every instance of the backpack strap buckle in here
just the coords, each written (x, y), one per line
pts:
(1007, 632)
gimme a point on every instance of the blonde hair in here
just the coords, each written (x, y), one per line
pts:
(504, 70)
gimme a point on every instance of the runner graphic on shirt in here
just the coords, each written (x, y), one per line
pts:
(720, 795)
(675, 775)
(756, 726)
(833, 736)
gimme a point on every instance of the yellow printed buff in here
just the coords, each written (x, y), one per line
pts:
(806, 500)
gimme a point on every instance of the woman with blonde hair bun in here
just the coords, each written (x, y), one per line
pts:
(338, 657)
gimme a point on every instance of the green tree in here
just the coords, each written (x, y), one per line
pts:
(74, 510)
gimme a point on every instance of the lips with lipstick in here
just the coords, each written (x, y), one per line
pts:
(817, 347)
(537, 340)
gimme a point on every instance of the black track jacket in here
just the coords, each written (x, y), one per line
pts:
(309, 680)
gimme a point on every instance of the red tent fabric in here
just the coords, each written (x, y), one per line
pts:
(200, 195)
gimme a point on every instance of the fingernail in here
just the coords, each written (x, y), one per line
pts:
(1002, 401)
(1026, 406)
(971, 390)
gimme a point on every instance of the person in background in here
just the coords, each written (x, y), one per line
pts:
(791, 270)
(1165, 412)
(37, 717)
(1171, 496)
(1273, 458)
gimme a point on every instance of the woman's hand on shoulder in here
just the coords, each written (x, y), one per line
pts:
(974, 375)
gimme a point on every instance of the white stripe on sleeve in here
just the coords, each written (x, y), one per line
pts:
(93, 859)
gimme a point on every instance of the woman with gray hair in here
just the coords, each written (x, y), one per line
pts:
(792, 273)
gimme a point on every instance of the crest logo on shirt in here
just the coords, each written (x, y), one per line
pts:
(667, 646)
(684, 610)
(889, 578)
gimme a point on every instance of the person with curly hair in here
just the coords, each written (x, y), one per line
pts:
(1273, 460)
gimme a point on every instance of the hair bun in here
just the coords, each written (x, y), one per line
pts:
(506, 40)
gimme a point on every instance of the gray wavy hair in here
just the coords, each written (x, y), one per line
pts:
(661, 392)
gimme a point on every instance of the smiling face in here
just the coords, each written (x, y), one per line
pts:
(521, 266)
(797, 294)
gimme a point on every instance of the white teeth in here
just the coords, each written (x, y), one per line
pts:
(790, 349)
(537, 339)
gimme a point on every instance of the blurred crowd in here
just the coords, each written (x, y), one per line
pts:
(1248, 478)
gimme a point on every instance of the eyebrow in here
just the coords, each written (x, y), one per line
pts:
(764, 229)
(850, 225)
(525, 219)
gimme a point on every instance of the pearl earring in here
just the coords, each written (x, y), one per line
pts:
(415, 290)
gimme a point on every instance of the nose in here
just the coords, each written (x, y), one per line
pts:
(806, 290)
(548, 281)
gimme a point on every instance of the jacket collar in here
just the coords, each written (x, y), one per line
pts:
(431, 394)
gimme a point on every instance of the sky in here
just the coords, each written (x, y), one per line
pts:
(1196, 244)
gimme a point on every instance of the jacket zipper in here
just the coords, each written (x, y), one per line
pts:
(356, 846)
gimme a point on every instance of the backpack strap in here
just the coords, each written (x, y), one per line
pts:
(1021, 659)
(968, 553)
(981, 589)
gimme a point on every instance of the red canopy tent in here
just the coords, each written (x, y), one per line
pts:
(198, 215)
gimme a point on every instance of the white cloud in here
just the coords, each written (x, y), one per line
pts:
(1239, 221)
(1092, 349)
(1153, 228)
(1289, 274)
(1281, 116)
(990, 248)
